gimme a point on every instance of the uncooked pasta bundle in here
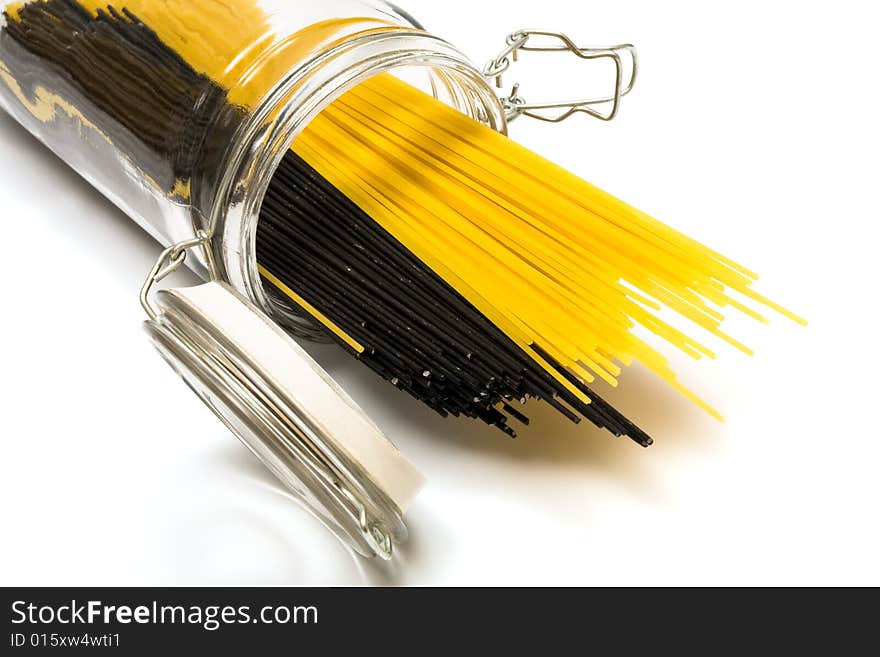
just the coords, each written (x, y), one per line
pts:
(563, 270)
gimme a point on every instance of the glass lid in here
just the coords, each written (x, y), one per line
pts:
(288, 412)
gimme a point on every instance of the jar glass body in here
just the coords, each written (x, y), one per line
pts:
(180, 112)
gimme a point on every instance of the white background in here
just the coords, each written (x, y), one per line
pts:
(753, 127)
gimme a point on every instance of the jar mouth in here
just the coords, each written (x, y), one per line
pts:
(263, 141)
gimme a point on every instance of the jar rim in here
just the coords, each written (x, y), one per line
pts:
(300, 96)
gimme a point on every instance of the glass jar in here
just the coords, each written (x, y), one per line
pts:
(180, 113)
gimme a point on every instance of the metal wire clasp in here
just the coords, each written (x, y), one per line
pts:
(170, 261)
(517, 106)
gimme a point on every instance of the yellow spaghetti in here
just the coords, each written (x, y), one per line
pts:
(554, 261)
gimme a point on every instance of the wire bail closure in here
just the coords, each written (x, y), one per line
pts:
(515, 105)
(170, 261)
